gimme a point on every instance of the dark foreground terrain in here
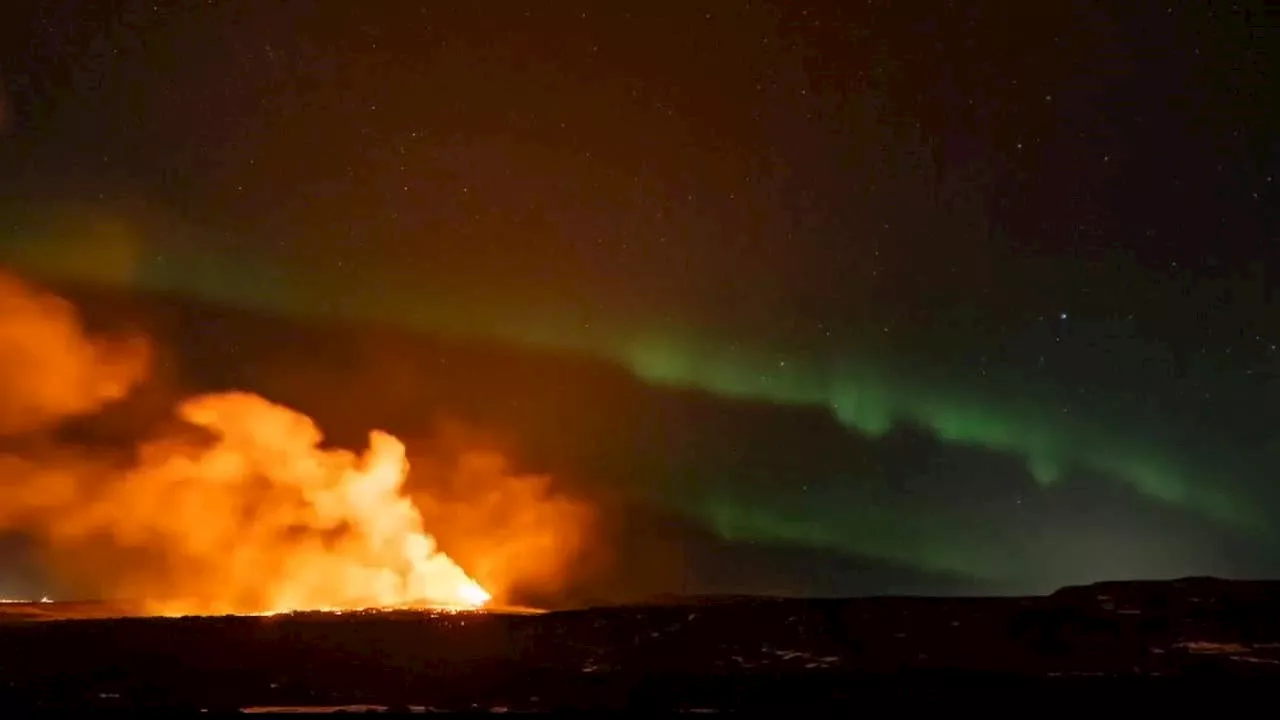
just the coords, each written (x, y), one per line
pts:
(1161, 640)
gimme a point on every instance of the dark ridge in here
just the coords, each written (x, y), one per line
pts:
(711, 653)
(1208, 587)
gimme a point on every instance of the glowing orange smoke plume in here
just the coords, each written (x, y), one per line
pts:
(243, 513)
(512, 531)
(49, 369)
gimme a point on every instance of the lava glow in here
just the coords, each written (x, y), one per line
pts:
(237, 509)
(296, 527)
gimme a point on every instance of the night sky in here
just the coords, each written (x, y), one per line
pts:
(984, 293)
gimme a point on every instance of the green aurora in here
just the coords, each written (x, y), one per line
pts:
(868, 391)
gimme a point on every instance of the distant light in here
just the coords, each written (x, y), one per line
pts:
(1062, 316)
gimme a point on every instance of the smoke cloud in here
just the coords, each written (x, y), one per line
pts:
(50, 370)
(518, 536)
(239, 506)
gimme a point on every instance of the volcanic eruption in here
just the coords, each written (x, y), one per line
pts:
(239, 510)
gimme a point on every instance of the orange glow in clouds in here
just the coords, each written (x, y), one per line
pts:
(241, 510)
